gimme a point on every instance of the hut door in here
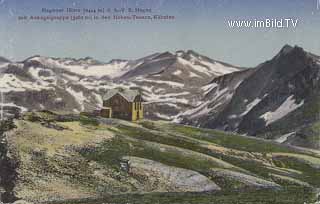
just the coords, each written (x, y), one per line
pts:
(106, 113)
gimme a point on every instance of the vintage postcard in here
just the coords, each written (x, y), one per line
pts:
(160, 101)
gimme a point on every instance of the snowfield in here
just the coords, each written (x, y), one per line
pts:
(205, 67)
(112, 70)
(10, 83)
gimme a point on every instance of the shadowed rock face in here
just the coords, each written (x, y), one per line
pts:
(218, 94)
(276, 99)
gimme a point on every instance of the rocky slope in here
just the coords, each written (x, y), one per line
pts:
(76, 159)
(217, 95)
(279, 99)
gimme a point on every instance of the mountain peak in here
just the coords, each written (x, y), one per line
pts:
(164, 55)
(180, 53)
(286, 49)
(192, 52)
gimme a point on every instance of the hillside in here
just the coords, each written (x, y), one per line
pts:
(76, 159)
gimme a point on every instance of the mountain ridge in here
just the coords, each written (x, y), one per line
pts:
(165, 79)
(184, 87)
(273, 93)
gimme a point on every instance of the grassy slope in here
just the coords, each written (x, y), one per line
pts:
(243, 154)
(83, 160)
(309, 136)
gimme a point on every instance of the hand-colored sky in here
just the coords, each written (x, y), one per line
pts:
(200, 25)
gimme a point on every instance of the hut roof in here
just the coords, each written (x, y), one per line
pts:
(128, 94)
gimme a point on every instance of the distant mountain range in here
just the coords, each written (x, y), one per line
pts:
(278, 99)
(63, 84)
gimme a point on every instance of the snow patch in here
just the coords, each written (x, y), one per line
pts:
(250, 106)
(200, 110)
(169, 98)
(99, 99)
(285, 137)
(178, 72)
(58, 99)
(23, 109)
(192, 75)
(170, 83)
(206, 67)
(78, 96)
(9, 82)
(286, 107)
(70, 77)
(209, 87)
(163, 116)
(173, 105)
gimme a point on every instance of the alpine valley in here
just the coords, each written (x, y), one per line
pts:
(213, 132)
(278, 99)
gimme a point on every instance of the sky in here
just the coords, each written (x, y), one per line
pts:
(199, 25)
